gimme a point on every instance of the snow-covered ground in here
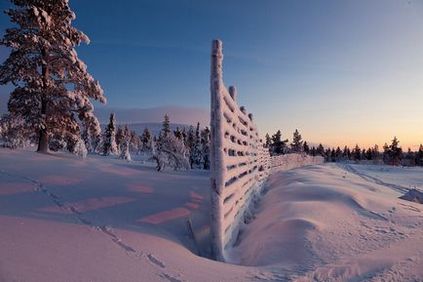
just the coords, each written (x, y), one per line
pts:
(99, 219)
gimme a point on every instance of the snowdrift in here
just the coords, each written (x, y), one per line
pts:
(323, 223)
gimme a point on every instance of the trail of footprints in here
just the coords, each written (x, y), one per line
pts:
(106, 230)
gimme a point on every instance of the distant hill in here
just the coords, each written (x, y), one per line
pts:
(154, 127)
(177, 115)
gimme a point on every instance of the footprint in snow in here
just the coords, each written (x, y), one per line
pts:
(156, 261)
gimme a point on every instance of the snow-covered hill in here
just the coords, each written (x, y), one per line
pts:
(100, 219)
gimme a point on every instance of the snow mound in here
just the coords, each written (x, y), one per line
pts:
(413, 196)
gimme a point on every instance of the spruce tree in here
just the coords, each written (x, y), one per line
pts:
(205, 147)
(166, 125)
(109, 140)
(268, 141)
(320, 150)
(395, 152)
(419, 156)
(297, 143)
(306, 148)
(120, 136)
(278, 146)
(51, 82)
(146, 139)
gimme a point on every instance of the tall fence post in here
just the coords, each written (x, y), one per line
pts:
(216, 150)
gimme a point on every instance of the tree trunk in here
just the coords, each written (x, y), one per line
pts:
(43, 134)
(43, 142)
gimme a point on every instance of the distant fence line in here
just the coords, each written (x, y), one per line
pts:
(239, 161)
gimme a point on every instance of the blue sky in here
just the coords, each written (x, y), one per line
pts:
(343, 72)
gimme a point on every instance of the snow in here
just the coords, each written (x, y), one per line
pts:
(64, 218)
(325, 223)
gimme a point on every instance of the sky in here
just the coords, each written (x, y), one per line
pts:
(342, 72)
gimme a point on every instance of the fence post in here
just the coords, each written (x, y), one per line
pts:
(216, 150)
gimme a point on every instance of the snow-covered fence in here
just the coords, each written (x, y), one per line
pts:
(290, 161)
(238, 160)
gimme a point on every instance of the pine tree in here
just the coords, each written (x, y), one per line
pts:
(297, 143)
(178, 134)
(320, 150)
(146, 139)
(395, 152)
(134, 142)
(313, 151)
(166, 125)
(51, 82)
(338, 154)
(419, 156)
(109, 141)
(386, 156)
(120, 137)
(124, 146)
(356, 153)
(278, 146)
(306, 148)
(169, 150)
(375, 152)
(86, 137)
(268, 141)
(196, 149)
(205, 147)
(190, 144)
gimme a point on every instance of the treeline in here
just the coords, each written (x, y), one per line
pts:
(178, 149)
(185, 148)
(391, 154)
(279, 146)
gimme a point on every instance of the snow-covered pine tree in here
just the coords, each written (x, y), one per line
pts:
(86, 137)
(297, 143)
(190, 143)
(14, 132)
(278, 146)
(268, 141)
(79, 148)
(146, 139)
(205, 147)
(178, 134)
(124, 145)
(135, 142)
(196, 148)
(169, 151)
(51, 82)
(166, 125)
(109, 140)
(120, 137)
